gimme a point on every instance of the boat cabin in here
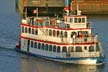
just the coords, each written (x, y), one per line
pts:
(76, 21)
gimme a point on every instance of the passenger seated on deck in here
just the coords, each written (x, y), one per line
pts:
(80, 34)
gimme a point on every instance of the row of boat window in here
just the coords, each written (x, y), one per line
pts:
(57, 33)
(49, 32)
(76, 20)
(58, 49)
(54, 32)
(29, 30)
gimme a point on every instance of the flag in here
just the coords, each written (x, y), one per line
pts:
(35, 11)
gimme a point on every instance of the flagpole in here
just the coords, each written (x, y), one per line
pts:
(37, 12)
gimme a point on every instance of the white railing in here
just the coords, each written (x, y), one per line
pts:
(88, 54)
(80, 39)
(43, 36)
(84, 40)
(82, 54)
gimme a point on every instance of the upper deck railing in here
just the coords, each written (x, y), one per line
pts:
(55, 22)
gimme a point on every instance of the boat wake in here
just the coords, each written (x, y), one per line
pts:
(7, 43)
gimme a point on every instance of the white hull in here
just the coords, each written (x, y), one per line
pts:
(84, 61)
(87, 61)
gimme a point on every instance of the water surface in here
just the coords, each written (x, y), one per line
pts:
(12, 61)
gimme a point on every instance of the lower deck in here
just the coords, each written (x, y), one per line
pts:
(85, 60)
(60, 51)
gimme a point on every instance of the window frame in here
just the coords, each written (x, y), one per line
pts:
(58, 49)
(78, 49)
(91, 50)
(64, 49)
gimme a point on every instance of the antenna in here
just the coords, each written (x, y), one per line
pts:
(77, 6)
(25, 12)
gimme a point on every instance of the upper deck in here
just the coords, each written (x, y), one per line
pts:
(68, 22)
(76, 21)
(58, 29)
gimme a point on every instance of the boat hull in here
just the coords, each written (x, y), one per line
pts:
(87, 61)
(84, 61)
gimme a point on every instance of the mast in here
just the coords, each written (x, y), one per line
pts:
(78, 12)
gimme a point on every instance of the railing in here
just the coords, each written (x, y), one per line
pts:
(84, 40)
(79, 40)
(81, 54)
(33, 20)
(89, 25)
(88, 54)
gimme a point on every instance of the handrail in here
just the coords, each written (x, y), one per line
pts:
(82, 54)
(80, 40)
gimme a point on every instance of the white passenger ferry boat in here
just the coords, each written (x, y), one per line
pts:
(68, 39)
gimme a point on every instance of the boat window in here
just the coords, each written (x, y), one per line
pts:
(36, 31)
(58, 33)
(73, 33)
(84, 33)
(67, 25)
(50, 47)
(65, 34)
(79, 20)
(80, 34)
(22, 29)
(46, 31)
(32, 31)
(25, 29)
(50, 32)
(53, 32)
(54, 48)
(71, 19)
(39, 45)
(85, 47)
(83, 20)
(42, 46)
(47, 23)
(91, 48)
(61, 34)
(71, 49)
(32, 44)
(46, 47)
(35, 45)
(64, 49)
(29, 30)
(97, 47)
(75, 20)
(78, 49)
(58, 49)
